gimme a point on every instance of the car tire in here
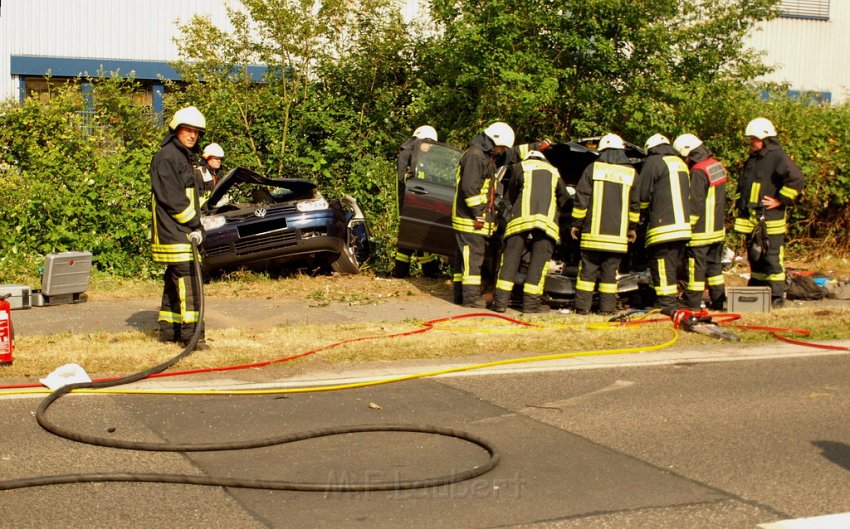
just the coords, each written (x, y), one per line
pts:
(345, 262)
(349, 259)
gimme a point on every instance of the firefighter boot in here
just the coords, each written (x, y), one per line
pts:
(457, 295)
(531, 304)
(693, 299)
(666, 302)
(431, 269)
(717, 293)
(583, 301)
(472, 297)
(401, 269)
(501, 298)
(607, 303)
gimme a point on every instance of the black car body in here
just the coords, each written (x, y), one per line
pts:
(425, 223)
(258, 222)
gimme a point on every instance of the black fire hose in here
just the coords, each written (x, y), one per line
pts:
(67, 433)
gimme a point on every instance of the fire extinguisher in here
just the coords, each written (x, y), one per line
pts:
(7, 333)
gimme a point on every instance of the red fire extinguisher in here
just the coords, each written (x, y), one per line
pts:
(7, 333)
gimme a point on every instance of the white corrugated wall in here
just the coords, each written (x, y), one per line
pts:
(107, 29)
(810, 54)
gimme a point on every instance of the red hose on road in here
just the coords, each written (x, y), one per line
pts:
(425, 327)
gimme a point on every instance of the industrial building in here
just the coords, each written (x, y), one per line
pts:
(69, 38)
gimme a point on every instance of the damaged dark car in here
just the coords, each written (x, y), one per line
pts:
(264, 223)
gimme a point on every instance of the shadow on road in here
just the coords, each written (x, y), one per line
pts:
(143, 321)
(838, 453)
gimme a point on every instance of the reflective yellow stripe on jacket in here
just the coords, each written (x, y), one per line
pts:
(527, 219)
(595, 240)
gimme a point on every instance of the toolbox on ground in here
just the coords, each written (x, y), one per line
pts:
(748, 299)
(21, 295)
(65, 279)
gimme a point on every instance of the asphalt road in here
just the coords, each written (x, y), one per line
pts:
(680, 444)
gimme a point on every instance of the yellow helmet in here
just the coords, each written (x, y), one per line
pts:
(189, 116)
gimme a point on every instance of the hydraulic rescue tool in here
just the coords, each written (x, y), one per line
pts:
(700, 322)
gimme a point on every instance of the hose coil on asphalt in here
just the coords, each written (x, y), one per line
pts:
(67, 433)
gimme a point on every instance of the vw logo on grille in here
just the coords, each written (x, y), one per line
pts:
(260, 212)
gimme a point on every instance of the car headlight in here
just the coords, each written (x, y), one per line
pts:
(312, 205)
(213, 221)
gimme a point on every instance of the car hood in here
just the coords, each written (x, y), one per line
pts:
(241, 174)
(570, 159)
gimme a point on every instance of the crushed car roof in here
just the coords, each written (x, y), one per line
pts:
(241, 174)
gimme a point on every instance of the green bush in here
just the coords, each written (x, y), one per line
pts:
(75, 177)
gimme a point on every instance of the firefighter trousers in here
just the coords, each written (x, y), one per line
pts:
(705, 269)
(405, 256)
(598, 266)
(179, 312)
(770, 269)
(541, 247)
(665, 260)
(469, 261)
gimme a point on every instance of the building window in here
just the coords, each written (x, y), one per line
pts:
(807, 9)
(41, 87)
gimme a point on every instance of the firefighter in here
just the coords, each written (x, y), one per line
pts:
(708, 208)
(473, 211)
(664, 193)
(605, 214)
(406, 169)
(770, 182)
(536, 194)
(176, 224)
(207, 172)
(518, 153)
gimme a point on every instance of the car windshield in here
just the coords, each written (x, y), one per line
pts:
(283, 194)
(437, 163)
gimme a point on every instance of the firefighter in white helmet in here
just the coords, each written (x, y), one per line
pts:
(605, 215)
(207, 172)
(177, 224)
(664, 203)
(535, 196)
(708, 211)
(406, 160)
(473, 212)
(770, 182)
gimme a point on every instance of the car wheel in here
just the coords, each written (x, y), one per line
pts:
(345, 262)
(355, 251)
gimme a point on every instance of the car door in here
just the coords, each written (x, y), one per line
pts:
(426, 217)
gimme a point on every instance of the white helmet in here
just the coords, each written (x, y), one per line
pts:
(761, 128)
(655, 140)
(535, 155)
(425, 132)
(501, 133)
(189, 116)
(212, 150)
(685, 143)
(611, 141)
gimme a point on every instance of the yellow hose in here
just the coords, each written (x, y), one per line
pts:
(315, 389)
